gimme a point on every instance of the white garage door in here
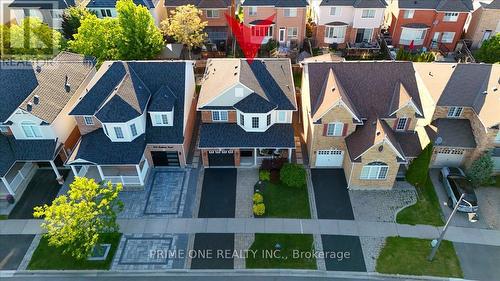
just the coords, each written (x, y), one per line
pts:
(496, 164)
(329, 158)
(449, 157)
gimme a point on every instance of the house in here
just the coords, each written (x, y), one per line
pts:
(362, 117)
(288, 27)
(466, 120)
(106, 8)
(433, 24)
(135, 115)
(49, 12)
(246, 111)
(214, 12)
(341, 22)
(485, 23)
(35, 127)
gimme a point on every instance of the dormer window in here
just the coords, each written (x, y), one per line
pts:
(455, 111)
(162, 118)
(133, 130)
(269, 119)
(118, 132)
(89, 120)
(219, 115)
(242, 120)
(401, 126)
(335, 129)
(255, 122)
(31, 130)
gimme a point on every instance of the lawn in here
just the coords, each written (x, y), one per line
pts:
(292, 254)
(286, 202)
(3, 217)
(297, 79)
(409, 256)
(47, 257)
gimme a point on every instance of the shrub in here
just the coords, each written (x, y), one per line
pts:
(480, 171)
(271, 45)
(418, 57)
(419, 168)
(257, 198)
(293, 175)
(264, 175)
(259, 209)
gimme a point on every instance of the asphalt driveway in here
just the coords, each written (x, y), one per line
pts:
(479, 262)
(331, 195)
(343, 253)
(12, 250)
(210, 251)
(218, 195)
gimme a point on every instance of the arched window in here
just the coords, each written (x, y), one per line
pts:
(374, 171)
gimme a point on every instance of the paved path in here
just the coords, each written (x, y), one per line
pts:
(243, 225)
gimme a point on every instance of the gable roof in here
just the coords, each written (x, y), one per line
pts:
(276, 3)
(495, 4)
(112, 3)
(438, 5)
(355, 3)
(55, 83)
(198, 3)
(400, 99)
(254, 103)
(42, 4)
(454, 133)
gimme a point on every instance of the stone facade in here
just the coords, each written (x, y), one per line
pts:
(481, 21)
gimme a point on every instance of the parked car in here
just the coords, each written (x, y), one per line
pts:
(456, 183)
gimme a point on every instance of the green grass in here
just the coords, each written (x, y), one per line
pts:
(425, 211)
(409, 256)
(286, 202)
(497, 181)
(3, 217)
(48, 257)
(292, 254)
(297, 79)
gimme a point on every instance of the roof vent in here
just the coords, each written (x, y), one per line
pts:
(381, 148)
(439, 140)
(29, 106)
(235, 73)
(495, 89)
(485, 92)
(453, 66)
(378, 133)
(333, 89)
(67, 85)
(430, 74)
(38, 68)
(235, 67)
(36, 99)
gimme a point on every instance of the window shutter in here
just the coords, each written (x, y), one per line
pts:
(325, 129)
(407, 123)
(344, 130)
(395, 124)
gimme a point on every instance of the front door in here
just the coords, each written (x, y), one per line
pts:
(282, 35)
(165, 158)
(364, 35)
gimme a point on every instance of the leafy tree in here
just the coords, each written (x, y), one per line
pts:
(74, 221)
(96, 37)
(293, 175)
(418, 171)
(490, 50)
(185, 26)
(71, 20)
(479, 173)
(5, 39)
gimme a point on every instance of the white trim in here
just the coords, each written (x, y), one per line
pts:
(342, 104)
(410, 102)
(385, 140)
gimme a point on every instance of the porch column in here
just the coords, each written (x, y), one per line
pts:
(290, 155)
(58, 176)
(7, 185)
(141, 180)
(255, 156)
(100, 172)
(73, 169)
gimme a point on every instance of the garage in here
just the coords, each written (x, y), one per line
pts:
(165, 158)
(217, 158)
(329, 158)
(451, 157)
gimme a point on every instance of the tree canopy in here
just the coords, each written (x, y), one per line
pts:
(71, 20)
(185, 26)
(490, 50)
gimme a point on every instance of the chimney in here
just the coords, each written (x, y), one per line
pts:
(29, 106)
(38, 68)
(67, 85)
(36, 99)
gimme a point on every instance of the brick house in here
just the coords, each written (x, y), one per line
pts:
(289, 25)
(341, 22)
(107, 8)
(434, 24)
(362, 117)
(246, 111)
(135, 115)
(484, 24)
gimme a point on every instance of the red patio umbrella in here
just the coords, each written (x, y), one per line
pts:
(411, 45)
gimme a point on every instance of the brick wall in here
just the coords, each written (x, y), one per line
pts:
(85, 129)
(406, 112)
(220, 21)
(206, 116)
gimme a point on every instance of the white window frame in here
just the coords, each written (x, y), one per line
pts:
(259, 30)
(213, 13)
(447, 37)
(269, 120)
(252, 11)
(220, 115)
(374, 172)
(31, 130)
(335, 32)
(455, 111)
(160, 119)
(335, 11)
(335, 129)
(417, 35)
(105, 13)
(368, 14)
(408, 14)
(133, 130)
(292, 12)
(242, 120)
(450, 17)
(401, 126)
(255, 125)
(89, 120)
(118, 132)
(292, 32)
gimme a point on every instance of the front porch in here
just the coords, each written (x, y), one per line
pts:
(255, 156)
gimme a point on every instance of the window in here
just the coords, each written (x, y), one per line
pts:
(293, 32)
(262, 31)
(368, 14)
(335, 129)
(447, 37)
(255, 122)
(291, 12)
(31, 130)
(4, 129)
(242, 120)
(133, 130)
(252, 11)
(212, 14)
(408, 14)
(374, 171)
(219, 115)
(450, 17)
(497, 138)
(118, 132)
(335, 32)
(88, 120)
(454, 111)
(160, 119)
(268, 119)
(334, 11)
(105, 13)
(282, 116)
(412, 34)
(401, 126)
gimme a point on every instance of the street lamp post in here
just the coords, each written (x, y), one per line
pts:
(435, 248)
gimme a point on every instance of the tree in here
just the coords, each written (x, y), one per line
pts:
(71, 20)
(96, 37)
(293, 175)
(185, 26)
(479, 173)
(490, 50)
(74, 221)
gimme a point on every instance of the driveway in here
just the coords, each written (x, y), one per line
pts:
(331, 194)
(12, 250)
(344, 253)
(210, 251)
(479, 262)
(218, 195)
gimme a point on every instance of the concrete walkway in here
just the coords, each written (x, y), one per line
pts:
(244, 225)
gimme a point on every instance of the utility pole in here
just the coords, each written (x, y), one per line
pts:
(435, 248)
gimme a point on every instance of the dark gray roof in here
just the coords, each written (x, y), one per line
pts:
(231, 135)
(163, 100)
(261, 22)
(439, 5)
(454, 133)
(415, 25)
(199, 3)
(43, 4)
(337, 23)
(112, 3)
(12, 150)
(495, 4)
(254, 103)
(14, 93)
(410, 143)
(165, 134)
(276, 3)
(355, 3)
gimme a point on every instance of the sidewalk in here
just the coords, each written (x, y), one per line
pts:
(270, 225)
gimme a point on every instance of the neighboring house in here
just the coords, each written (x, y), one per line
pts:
(484, 24)
(362, 117)
(134, 115)
(341, 21)
(246, 111)
(35, 127)
(214, 12)
(107, 8)
(433, 24)
(48, 11)
(289, 25)
(466, 118)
